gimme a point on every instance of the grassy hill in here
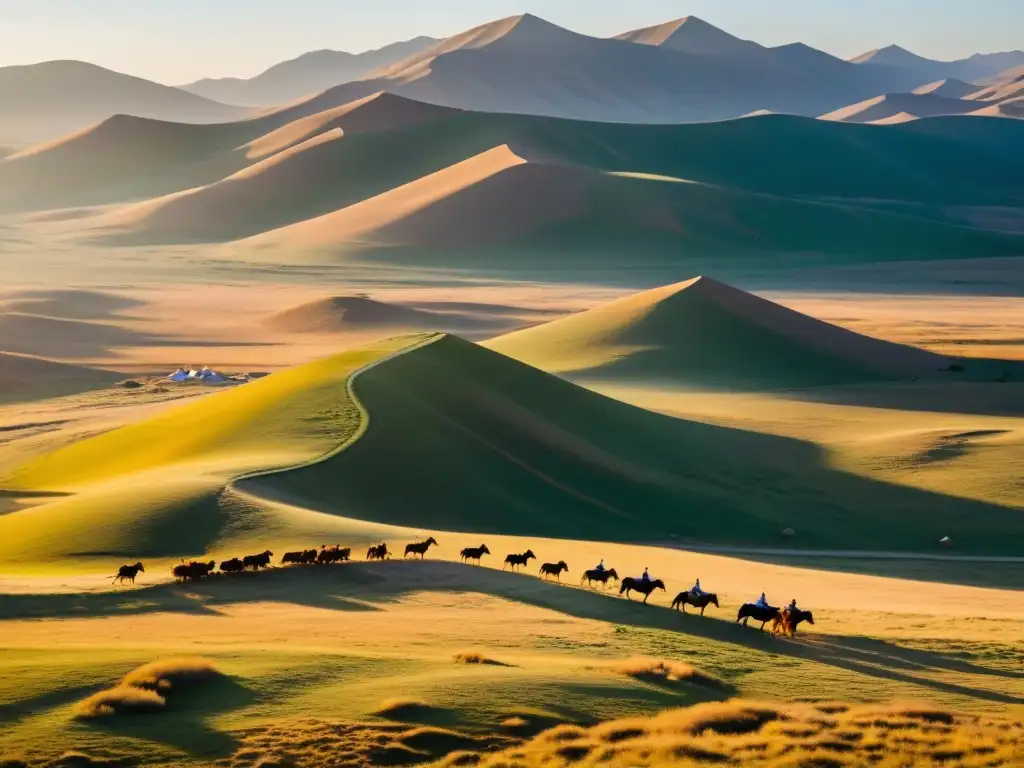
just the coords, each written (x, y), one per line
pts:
(152, 487)
(705, 332)
(463, 439)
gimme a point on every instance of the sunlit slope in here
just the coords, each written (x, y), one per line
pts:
(703, 331)
(152, 488)
(461, 438)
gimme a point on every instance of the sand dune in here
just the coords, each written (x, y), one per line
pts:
(43, 101)
(72, 304)
(1013, 108)
(23, 377)
(898, 107)
(950, 88)
(1007, 87)
(308, 74)
(127, 157)
(703, 331)
(342, 313)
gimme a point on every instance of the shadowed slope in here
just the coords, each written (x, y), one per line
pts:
(703, 331)
(490, 445)
(693, 35)
(341, 313)
(913, 105)
(31, 378)
(949, 88)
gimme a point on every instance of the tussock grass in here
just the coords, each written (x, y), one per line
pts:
(477, 657)
(123, 700)
(165, 674)
(767, 735)
(402, 707)
(661, 670)
(146, 689)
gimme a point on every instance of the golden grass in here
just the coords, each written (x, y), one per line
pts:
(165, 674)
(145, 689)
(122, 700)
(647, 668)
(400, 707)
(771, 735)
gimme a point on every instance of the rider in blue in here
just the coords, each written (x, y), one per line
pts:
(696, 591)
(762, 601)
(600, 566)
(647, 576)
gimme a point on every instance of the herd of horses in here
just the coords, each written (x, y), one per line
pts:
(783, 620)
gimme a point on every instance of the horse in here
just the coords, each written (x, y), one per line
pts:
(193, 570)
(697, 601)
(790, 619)
(378, 552)
(602, 576)
(262, 560)
(334, 555)
(554, 569)
(128, 572)
(234, 565)
(755, 612)
(517, 561)
(645, 588)
(474, 553)
(421, 547)
(291, 557)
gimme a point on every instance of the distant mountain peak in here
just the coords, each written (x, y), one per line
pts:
(692, 35)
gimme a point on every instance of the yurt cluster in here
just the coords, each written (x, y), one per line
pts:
(207, 375)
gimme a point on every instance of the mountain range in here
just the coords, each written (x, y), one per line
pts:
(682, 71)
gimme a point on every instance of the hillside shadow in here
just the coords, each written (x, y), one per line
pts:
(360, 586)
(1001, 394)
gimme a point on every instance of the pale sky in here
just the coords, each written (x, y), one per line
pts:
(177, 41)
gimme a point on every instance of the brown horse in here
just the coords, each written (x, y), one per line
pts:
(474, 553)
(128, 572)
(518, 561)
(684, 599)
(764, 615)
(193, 570)
(554, 569)
(789, 620)
(601, 576)
(420, 548)
(378, 552)
(629, 584)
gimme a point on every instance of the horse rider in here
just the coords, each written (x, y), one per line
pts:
(646, 578)
(762, 601)
(696, 591)
(600, 566)
(792, 606)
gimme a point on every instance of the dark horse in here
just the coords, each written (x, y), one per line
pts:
(554, 569)
(790, 619)
(474, 553)
(517, 561)
(130, 572)
(629, 584)
(751, 611)
(420, 548)
(684, 599)
(378, 552)
(602, 576)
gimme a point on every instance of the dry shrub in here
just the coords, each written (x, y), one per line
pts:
(514, 723)
(145, 690)
(123, 700)
(726, 717)
(661, 670)
(82, 760)
(477, 657)
(165, 674)
(399, 708)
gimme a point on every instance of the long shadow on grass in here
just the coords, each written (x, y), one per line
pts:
(357, 586)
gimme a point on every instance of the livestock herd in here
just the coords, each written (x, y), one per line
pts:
(783, 620)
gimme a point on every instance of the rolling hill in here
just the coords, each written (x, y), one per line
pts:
(899, 107)
(694, 35)
(705, 332)
(949, 88)
(44, 101)
(481, 443)
(29, 378)
(976, 68)
(342, 313)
